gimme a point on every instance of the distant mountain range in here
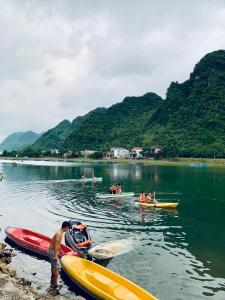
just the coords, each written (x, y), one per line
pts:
(19, 140)
(189, 122)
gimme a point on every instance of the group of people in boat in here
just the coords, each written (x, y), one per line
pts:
(116, 188)
(149, 198)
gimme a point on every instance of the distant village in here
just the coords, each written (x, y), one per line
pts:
(115, 153)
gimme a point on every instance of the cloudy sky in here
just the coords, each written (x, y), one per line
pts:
(60, 59)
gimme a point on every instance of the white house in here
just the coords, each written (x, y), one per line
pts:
(54, 151)
(86, 153)
(118, 152)
(156, 149)
(136, 152)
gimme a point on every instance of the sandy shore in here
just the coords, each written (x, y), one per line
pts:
(15, 288)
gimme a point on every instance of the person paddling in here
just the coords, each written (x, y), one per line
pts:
(113, 189)
(54, 252)
(142, 197)
(119, 188)
(149, 198)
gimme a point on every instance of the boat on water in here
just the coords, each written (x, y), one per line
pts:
(159, 204)
(121, 195)
(201, 165)
(78, 237)
(33, 241)
(102, 283)
(89, 179)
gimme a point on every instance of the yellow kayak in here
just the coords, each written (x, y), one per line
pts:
(159, 205)
(100, 282)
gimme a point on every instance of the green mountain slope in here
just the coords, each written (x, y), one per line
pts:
(191, 122)
(18, 140)
(120, 125)
(53, 138)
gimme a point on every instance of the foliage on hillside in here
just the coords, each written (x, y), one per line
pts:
(18, 140)
(120, 125)
(191, 122)
(54, 137)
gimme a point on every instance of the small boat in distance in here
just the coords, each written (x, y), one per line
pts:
(89, 179)
(102, 283)
(121, 195)
(201, 165)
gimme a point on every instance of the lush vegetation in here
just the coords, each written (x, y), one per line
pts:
(120, 125)
(18, 140)
(189, 123)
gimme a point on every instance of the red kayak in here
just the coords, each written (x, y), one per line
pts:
(34, 241)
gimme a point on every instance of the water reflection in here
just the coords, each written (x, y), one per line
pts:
(179, 253)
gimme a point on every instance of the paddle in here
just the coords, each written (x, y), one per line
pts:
(110, 249)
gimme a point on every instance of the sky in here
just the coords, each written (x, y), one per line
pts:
(61, 59)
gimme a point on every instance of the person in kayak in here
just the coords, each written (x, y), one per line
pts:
(142, 197)
(54, 252)
(113, 189)
(119, 188)
(149, 198)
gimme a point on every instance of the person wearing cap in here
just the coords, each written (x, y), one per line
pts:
(54, 252)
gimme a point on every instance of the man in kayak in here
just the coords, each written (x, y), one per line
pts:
(54, 252)
(149, 198)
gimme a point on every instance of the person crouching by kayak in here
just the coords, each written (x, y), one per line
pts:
(54, 252)
(142, 197)
(113, 189)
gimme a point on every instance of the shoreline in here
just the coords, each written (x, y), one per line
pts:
(13, 287)
(209, 162)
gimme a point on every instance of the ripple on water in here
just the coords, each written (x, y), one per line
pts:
(161, 261)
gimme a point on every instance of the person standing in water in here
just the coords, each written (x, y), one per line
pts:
(54, 252)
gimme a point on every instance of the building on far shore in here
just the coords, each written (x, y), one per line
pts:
(54, 151)
(68, 154)
(136, 152)
(118, 152)
(86, 153)
(155, 149)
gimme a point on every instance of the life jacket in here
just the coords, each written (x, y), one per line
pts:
(142, 198)
(85, 244)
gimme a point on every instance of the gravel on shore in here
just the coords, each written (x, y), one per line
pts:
(15, 288)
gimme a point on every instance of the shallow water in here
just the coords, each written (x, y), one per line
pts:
(180, 253)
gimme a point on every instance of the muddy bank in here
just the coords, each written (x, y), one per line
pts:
(15, 288)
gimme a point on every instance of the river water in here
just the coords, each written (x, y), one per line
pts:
(180, 254)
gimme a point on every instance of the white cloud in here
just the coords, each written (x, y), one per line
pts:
(60, 59)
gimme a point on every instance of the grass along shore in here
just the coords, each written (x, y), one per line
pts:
(180, 161)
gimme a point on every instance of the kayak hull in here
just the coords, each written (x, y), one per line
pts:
(77, 238)
(105, 196)
(33, 241)
(159, 205)
(100, 282)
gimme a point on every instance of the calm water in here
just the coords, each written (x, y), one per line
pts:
(180, 253)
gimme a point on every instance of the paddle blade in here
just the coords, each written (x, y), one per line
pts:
(113, 248)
